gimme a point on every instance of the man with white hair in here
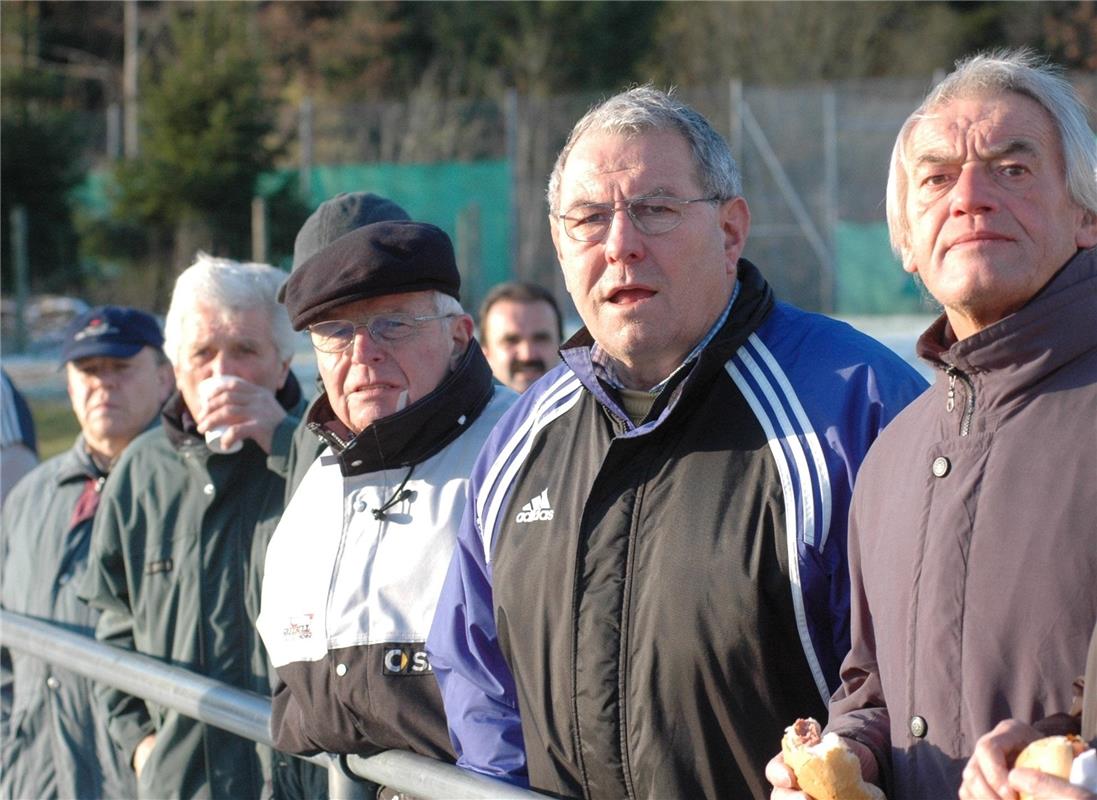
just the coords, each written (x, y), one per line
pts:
(973, 541)
(355, 567)
(335, 217)
(177, 549)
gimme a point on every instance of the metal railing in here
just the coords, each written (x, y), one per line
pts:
(240, 712)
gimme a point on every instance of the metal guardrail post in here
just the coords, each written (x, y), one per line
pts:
(243, 713)
(343, 784)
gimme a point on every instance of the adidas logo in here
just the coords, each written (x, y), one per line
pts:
(536, 509)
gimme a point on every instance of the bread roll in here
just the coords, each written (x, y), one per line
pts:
(825, 767)
(1052, 754)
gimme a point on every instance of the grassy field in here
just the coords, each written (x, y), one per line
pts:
(55, 425)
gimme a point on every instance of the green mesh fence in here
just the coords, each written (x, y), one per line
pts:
(870, 278)
(469, 200)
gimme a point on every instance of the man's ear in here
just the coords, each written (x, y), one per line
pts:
(461, 335)
(735, 223)
(68, 380)
(285, 373)
(165, 378)
(1086, 235)
(554, 229)
(557, 231)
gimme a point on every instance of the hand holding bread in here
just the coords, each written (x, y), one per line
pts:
(825, 767)
(1052, 755)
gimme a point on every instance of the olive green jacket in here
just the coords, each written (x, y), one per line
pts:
(175, 567)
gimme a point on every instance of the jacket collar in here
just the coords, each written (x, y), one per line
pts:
(417, 432)
(751, 307)
(182, 431)
(1052, 328)
(76, 464)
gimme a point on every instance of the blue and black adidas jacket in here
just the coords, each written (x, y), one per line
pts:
(640, 611)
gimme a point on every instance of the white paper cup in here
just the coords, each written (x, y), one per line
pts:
(213, 436)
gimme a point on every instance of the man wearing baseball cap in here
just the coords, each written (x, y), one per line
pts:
(54, 742)
(355, 566)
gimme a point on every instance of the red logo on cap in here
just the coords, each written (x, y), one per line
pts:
(96, 327)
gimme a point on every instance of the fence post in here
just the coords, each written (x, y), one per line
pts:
(304, 146)
(259, 230)
(828, 280)
(130, 68)
(22, 270)
(511, 121)
(735, 120)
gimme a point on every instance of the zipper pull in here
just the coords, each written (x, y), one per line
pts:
(950, 404)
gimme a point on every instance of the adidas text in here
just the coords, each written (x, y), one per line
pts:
(536, 510)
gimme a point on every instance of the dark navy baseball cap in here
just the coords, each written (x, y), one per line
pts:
(113, 331)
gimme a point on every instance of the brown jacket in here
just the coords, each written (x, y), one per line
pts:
(973, 542)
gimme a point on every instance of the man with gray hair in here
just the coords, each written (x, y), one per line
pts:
(972, 533)
(651, 568)
(177, 549)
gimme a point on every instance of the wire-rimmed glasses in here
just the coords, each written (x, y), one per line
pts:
(590, 222)
(336, 335)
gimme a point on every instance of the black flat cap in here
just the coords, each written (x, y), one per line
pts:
(393, 257)
(339, 216)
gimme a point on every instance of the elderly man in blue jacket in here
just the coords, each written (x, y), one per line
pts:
(651, 572)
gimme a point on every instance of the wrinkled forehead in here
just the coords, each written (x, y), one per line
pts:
(94, 363)
(651, 161)
(205, 319)
(982, 124)
(508, 313)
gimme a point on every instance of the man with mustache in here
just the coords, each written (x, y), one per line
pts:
(55, 740)
(520, 332)
(973, 545)
(651, 567)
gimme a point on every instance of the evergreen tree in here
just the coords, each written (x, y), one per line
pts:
(41, 148)
(206, 125)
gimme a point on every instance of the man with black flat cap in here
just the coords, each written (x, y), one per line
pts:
(335, 217)
(53, 738)
(354, 569)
